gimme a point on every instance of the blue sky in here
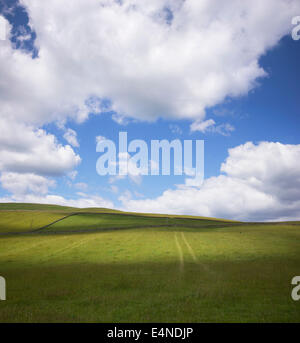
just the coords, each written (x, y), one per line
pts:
(262, 108)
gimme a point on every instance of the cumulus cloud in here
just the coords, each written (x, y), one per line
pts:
(269, 167)
(20, 184)
(141, 59)
(3, 24)
(260, 182)
(32, 188)
(28, 157)
(150, 59)
(25, 149)
(82, 201)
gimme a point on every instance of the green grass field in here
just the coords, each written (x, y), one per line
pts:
(109, 266)
(24, 221)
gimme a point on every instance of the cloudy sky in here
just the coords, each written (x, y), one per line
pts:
(73, 72)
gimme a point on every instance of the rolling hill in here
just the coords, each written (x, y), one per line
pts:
(66, 264)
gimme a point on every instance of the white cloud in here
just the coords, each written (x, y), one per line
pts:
(82, 201)
(261, 182)
(270, 167)
(25, 149)
(3, 24)
(120, 119)
(223, 129)
(210, 126)
(147, 65)
(21, 184)
(130, 53)
(202, 126)
(31, 188)
(71, 137)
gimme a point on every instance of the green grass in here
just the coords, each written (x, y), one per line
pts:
(92, 221)
(16, 218)
(23, 221)
(239, 273)
(58, 208)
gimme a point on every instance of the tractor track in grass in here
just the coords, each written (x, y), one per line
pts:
(192, 253)
(180, 253)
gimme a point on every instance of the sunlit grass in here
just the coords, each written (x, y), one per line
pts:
(241, 273)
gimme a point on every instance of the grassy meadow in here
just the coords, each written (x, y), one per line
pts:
(109, 266)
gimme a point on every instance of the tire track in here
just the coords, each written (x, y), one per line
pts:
(203, 265)
(181, 261)
(192, 253)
